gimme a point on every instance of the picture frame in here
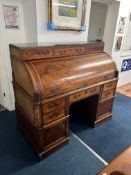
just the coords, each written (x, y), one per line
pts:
(118, 43)
(67, 15)
(121, 26)
(11, 17)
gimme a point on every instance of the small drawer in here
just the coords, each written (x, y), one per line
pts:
(83, 94)
(110, 85)
(80, 50)
(70, 51)
(107, 94)
(51, 116)
(91, 49)
(53, 105)
(37, 53)
(64, 51)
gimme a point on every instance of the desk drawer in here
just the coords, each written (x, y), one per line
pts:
(53, 105)
(53, 116)
(37, 53)
(110, 85)
(69, 51)
(83, 94)
(107, 94)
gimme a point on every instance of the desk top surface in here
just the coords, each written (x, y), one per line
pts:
(52, 44)
(121, 164)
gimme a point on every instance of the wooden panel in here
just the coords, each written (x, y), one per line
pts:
(50, 79)
(38, 137)
(65, 75)
(53, 105)
(53, 116)
(107, 94)
(121, 165)
(69, 51)
(24, 104)
(94, 49)
(105, 108)
(83, 94)
(22, 77)
(37, 51)
(31, 111)
(110, 85)
(55, 133)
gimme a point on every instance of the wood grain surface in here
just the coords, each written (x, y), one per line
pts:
(49, 79)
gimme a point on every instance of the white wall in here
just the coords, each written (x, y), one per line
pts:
(9, 36)
(57, 36)
(127, 42)
(1, 74)
(97, 21)
(30, 20)
(33, 27)
(110, 26)
(124, 77)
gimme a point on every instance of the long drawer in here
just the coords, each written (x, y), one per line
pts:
(83, 94)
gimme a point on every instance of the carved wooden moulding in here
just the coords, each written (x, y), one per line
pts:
(49, 79)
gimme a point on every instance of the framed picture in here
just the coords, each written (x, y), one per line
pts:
(11, 17)
(118, 43)
(121, 26)
(67, 15)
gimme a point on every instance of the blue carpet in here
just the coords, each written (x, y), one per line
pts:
(17, 158)
(112, 137)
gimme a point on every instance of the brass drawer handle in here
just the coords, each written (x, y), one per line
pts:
(86, 92)
(93, 90)
(53, 115)
(52, 105)
(109, 85)
(77, 95)
(45, 52)
(107, 93)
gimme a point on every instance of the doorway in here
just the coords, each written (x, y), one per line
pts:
(103, 22)
(97, 21)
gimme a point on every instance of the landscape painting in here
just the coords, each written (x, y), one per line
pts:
(67, 15)
(68, 8)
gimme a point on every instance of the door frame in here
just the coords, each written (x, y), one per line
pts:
(4, 80)
(107, 21)
(2, 100)
(107, 14)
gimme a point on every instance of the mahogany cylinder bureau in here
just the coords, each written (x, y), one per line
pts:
(48, 79)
